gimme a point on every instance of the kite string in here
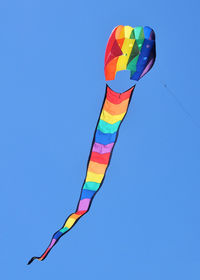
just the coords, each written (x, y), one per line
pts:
(180, 104)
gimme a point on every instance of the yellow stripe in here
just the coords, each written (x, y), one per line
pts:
(127, 31)
(126, 49)
(93, 177)
(111, 119)
(69, 223)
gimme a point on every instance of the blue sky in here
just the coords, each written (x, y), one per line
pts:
(145, 221)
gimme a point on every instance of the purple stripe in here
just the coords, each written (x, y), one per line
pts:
(84, 204)
(147, 68)
(102, 149)
(52, 243)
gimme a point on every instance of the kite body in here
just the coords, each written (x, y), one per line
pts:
(127, 49)
(130, 49)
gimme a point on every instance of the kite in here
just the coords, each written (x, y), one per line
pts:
(127, 49)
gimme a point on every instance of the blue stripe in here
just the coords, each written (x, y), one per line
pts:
(143, 58)
(147, 32)
(57, 235)
(87, 194)
(105, 138)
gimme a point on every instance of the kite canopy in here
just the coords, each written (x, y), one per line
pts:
(131, 49)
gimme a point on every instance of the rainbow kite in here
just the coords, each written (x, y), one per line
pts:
(127, 49)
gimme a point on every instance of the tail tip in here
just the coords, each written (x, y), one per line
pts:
(31, 260)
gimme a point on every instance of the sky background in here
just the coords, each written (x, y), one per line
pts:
(145, 221)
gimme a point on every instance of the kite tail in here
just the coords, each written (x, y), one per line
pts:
(113, 111)
(58, 234)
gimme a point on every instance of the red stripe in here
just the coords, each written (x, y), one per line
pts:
(80, 212)
(100, 158)
(114, 52)
(109, 45)
(117, 98)
(45, 253)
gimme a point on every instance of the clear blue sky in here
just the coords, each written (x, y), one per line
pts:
(145, 221)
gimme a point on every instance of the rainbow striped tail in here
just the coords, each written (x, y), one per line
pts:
(113, 111)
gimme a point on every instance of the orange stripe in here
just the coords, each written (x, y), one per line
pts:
(75, 216)
(115, 109)
(119, 34)
(110, 69)
(96, 167)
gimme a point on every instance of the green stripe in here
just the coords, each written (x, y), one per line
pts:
(135, 51)
(92, 186)
(139, 32)
(107, 127)
(64, 229)
(133, 65)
